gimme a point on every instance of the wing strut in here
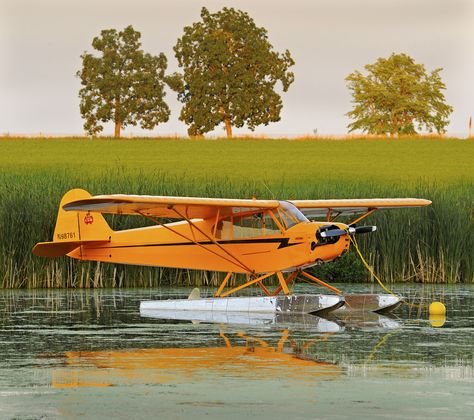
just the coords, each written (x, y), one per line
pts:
(330, 217)
(227, 278)
(214, 242)
(194, 242)
(288, 280)
(368, 213)
(320, 282)
(265, 290)
(242, 286)
(283, 284)
(224, 282)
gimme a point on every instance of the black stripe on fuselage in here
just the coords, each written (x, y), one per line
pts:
(284, 243)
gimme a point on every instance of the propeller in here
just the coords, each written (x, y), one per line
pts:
(331, 231)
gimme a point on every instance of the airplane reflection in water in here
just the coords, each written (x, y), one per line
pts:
(240, 355)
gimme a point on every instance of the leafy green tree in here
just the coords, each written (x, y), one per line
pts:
(229, 73)
(123, 84)
(397, 97)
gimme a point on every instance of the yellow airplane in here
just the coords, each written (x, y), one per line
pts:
(260, 238)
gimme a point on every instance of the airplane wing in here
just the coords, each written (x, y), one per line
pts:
(169, 207)
(319, 208)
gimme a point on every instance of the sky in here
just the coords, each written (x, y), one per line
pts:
(41, 42)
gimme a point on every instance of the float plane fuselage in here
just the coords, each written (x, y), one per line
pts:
(259, 238)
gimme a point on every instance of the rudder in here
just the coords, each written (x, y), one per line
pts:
(79, 225)
(74, 228)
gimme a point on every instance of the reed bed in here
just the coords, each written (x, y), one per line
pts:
(429, 245)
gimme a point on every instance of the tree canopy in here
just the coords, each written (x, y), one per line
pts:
(229, 73)
(123, 84)
(397, 96)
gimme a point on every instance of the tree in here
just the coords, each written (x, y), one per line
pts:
(397, 96)
(229, 73)
(123, 85)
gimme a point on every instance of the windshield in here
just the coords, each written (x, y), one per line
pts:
(289, 215)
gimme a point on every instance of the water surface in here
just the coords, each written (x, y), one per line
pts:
(89, 354)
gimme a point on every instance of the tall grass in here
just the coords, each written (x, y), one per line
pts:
(431, 245)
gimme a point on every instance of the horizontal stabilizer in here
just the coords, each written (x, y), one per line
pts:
(58, 249)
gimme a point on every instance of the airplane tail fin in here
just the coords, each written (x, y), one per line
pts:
(74, 228)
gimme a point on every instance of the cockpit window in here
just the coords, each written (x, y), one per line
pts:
(246, 226)
(256, 223)
(289, 215)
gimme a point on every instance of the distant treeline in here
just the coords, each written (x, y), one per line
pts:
(230, 74)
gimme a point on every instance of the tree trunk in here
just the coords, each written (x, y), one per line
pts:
(393, 129)
(118, 126)
(228, 127)
(118, 123)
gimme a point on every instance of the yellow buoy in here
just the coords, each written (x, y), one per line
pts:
(437, 308)
(437, 320)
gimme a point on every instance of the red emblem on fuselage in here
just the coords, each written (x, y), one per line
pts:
(88, 219)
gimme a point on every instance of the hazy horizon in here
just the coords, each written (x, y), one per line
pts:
(42, 42)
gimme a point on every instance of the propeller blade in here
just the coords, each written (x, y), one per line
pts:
(333, 232)
(362, 229)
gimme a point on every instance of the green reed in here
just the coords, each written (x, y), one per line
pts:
(429, 245)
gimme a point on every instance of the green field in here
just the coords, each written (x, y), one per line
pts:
(412, 161)
(432, 245)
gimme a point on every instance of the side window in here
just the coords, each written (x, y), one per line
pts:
(248, 226)
(224, 229)
(269, 225)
